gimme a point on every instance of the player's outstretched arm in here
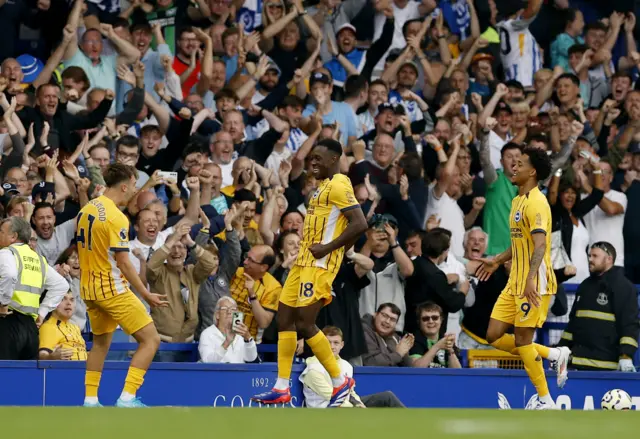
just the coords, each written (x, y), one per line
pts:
(126, 267)
(357, 226)
(489, 266)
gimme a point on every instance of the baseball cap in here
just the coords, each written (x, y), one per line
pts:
(515, 84)
(482, 56)
(10, 188)
(502, 106)
(386, 106)
(82, 170)
(273, 66)
(31, 67)
(346, 26)
(412, 64)
(319, 77)
(42, 189)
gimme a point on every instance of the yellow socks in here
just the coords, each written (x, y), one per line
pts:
(507, 343)
(322, 350)
(287, 343)
(135, 378)
(533, 365)
(91, 384)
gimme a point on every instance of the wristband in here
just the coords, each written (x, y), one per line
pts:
(394, 246)
(437, 148)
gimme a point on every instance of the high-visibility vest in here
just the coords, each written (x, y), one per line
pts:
(32, 269)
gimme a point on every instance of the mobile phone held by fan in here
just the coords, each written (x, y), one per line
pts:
(166, 175)
(238, 317)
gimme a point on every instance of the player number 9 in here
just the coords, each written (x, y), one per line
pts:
(525, 308)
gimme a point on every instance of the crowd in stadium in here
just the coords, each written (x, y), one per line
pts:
(217, 104)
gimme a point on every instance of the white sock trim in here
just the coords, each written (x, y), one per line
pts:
(281, 384)
(126, 396)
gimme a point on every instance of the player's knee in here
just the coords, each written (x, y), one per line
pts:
(492, 335)
(523, 338)
(150, 339)
(285, 325)
(306, 330)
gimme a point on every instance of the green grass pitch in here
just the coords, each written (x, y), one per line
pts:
(197, 423)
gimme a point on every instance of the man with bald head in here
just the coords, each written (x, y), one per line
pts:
(222, 153)
(12, 71)
(378, 165)
(256, 291)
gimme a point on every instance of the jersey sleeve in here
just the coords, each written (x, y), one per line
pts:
(48, 337)
(270, 299)
(119, 234)
(538, 217)
(342, 195)
(520, 23)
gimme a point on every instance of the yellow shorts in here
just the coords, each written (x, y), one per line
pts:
(123, 309)
(307, 285)
(518, 312)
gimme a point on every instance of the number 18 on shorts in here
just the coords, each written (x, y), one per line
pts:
(307, 285)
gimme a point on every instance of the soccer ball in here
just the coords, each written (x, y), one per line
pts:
(616, 399)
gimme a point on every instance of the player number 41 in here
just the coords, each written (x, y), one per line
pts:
(82, 237)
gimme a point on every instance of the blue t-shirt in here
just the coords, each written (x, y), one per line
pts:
(343, 114)
(560, 50)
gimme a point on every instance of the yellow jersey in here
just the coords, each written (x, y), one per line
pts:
(325, 221)
(56, 332)
(267, 292)
(530, 213)
(102, 229)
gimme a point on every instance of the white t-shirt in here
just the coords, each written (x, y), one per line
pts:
(603, 227)
(451, 218)
(495, 148)
(521, 56)
(453, 266)
(401, 16)
(275, 158)
(161, 237)
(227, 178)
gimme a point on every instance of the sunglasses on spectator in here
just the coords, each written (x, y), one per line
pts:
(434, 318)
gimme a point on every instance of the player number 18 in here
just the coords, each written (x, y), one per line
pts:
(306, 289)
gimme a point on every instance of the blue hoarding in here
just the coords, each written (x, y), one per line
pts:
(178, 384)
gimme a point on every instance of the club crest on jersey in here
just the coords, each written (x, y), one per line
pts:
(602, 299)
(517, 217)
(123, 234)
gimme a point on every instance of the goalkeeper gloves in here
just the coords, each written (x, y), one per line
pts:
(626, 365)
